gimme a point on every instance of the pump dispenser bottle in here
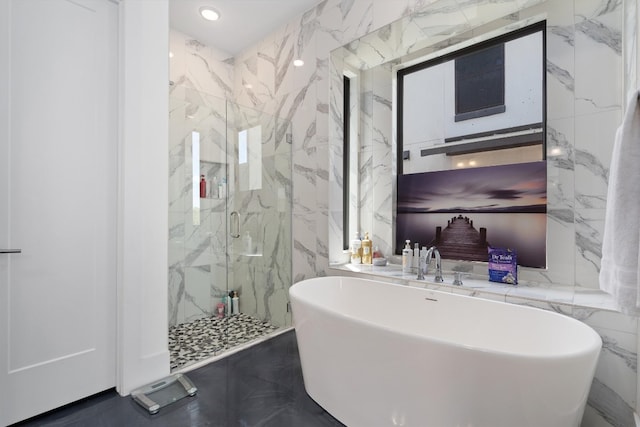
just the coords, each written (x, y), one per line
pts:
(356, 249)
(407, 256)
(366, 250)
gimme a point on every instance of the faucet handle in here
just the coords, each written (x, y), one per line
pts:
(457, 278)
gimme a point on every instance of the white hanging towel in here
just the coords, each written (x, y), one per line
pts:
(619, 274)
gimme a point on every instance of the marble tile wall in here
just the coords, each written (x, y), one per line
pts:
(584, 78)
(203, 84)
(584, 75)
(581, 115)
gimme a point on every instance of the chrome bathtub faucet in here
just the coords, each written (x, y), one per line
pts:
(430, 252)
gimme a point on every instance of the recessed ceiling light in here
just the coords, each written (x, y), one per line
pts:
(170, 54)
(298, 63)
(209, 13)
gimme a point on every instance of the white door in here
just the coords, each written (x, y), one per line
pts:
(58, 183)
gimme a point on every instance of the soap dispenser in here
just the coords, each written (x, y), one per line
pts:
(356, 250)
(366, 250)
(407, 255)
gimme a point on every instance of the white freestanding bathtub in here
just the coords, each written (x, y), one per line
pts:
(378, 354)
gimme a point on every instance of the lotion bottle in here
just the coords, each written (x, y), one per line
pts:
(356, 248)
(235, 303)
(366, 250)
(407, 256)
(416, 256)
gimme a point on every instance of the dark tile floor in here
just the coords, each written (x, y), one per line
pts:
(260, 386)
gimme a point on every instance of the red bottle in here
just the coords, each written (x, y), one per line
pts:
(203, 187)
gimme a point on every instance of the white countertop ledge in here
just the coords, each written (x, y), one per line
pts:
(535, 295)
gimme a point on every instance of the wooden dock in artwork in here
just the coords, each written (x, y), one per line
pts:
(460, 240)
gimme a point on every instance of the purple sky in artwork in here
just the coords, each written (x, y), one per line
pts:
(520, 187)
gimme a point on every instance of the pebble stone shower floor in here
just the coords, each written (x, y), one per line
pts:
(202, 338)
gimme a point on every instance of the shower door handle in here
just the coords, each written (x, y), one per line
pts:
(10, 251)
(235, 215)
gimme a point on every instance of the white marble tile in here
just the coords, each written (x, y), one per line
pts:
(598, 56)
(304, 245)
(335, 244)
(322, 244)
(446, 17)
(589, 231)
(305, 49)
(606, 318)
(365, 200)
(322, 116)
(617, 366)
(383, 202)
(559, 301)
(322, 178)
(266, 69)
(478, 294)
(560, 166)
(250, 88)
(208, 72)
(385, 11)
(595, 134)
(177, 56)
(284, 56)
(304, 180)
(329, 34)
(382, 108)
(176, 296)
(560, 251)
(630, 46)
(303, 108)
(357, 18)
(335, 178)
(197, 298)
(594, 418)
(482, 11)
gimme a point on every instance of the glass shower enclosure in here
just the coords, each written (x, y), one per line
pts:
(229, 225)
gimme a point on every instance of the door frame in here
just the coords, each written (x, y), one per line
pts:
(143, 159)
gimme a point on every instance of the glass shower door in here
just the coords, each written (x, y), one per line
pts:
(198, 226)
(197, 213)
(259, 199)
(230, 225)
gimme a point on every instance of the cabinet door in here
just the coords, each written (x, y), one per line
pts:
(58, 183)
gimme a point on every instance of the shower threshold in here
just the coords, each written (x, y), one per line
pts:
(210, 338)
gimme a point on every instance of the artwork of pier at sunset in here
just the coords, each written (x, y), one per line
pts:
(463, 211)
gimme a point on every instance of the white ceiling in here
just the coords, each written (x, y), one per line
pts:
(242, 23)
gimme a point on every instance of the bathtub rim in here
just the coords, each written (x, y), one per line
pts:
(594, 347)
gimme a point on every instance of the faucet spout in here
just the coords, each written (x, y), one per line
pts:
(424, 267)
(433, 250)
